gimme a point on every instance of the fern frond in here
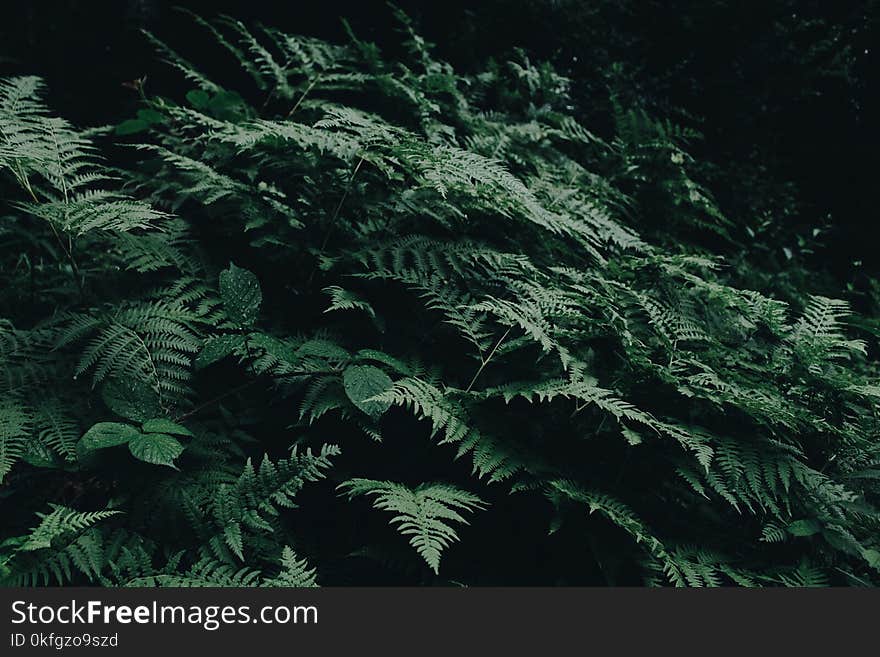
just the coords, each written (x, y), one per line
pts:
(422, 513)
(15, 426)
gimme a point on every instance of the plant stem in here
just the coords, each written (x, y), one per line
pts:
(336, 214)
(303, 96)
(487, 359)
(244, 386)
(67, 250)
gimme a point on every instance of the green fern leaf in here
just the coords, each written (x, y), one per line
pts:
(422, 513)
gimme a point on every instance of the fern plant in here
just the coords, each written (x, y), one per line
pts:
(454, 281)
(423, 514)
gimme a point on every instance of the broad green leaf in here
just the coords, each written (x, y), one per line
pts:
(273, 347)
(873, 558)
(362, 382)
(240, 291)
(158, 448)
(322, 349)
(162, 425)
(381, 357)
(131, 126)
(217, 348)
(107, 434)
(151, 116)
(131, 398)
(227, 105)
(198, 98)
(803, 528)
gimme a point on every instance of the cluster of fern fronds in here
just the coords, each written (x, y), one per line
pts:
(371, 320)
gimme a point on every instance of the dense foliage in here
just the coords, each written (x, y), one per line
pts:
(335, 316)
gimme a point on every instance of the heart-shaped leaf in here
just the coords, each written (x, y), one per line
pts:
(217, 348)
(158, 448)
(362, 382)
(804, 528)
(873, 558)
(131, 398)
(277, 349)
(107, 434)
(198, 98)
(241, 295)
(131, 126)
(161, 425)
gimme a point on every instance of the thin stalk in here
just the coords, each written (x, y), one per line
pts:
(67, 250)
(486, 360)
(244, 386)
(336, 214)
(303, 96)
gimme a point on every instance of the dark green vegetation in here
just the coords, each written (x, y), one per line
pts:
(327, 290)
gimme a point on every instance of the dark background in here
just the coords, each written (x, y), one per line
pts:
(783, 90)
